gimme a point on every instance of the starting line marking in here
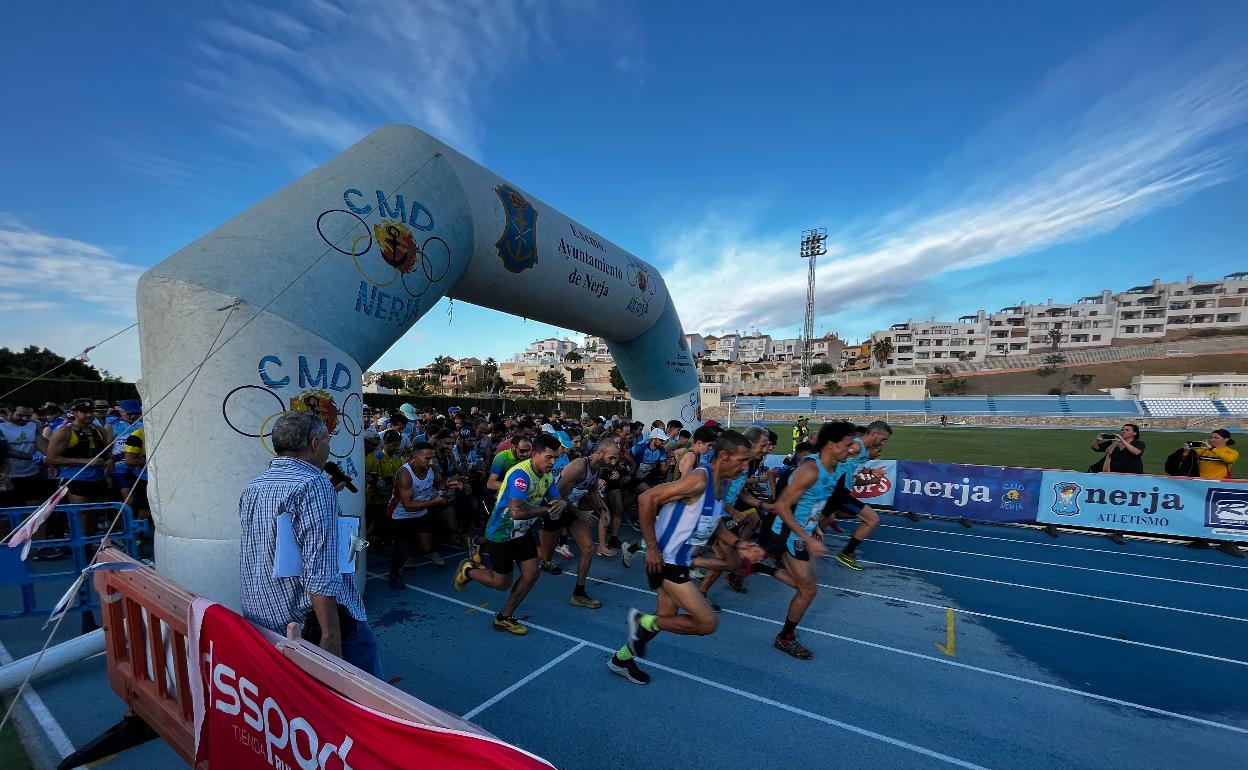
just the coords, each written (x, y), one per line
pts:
(730, 689)
(967, 666)
(928, 531)
(567, 654)
(950, 647)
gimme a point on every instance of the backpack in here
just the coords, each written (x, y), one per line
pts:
(1182, 462)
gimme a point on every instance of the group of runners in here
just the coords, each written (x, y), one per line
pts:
(706, 505)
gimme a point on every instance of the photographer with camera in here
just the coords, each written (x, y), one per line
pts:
(1124, 451)
(1214, 456)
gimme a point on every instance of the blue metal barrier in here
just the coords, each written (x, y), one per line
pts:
(26, 574)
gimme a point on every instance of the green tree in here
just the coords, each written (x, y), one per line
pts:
(1055, 338)
(551, 382)
(441, 366)
(416, 386)
(832, 387)
(942, 371)
(1083, 381)
(823, 367)
(881, 351)
(956, 386)
(391, 381)
(869, 387)
(33, 361)
(963, 355)
(617, 379)
(573, 357)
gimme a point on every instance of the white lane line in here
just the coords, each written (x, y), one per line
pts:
(1062, 566)
(567, 654)
(733, 690)
(966, 666)
(928, 531)
(1032, 624)
(43, 717)
(1056, 591)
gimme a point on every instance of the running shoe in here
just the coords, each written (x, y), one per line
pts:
(395, 582)
(461, 574)
(551, 568)
(849, 561)
(736, 583)
(636, 644)
(564, 551)
(581, 600)
(436, 558)
(474, 551)
(510, 625)
(627, 556)
(628, 669)
(607, 553)
(793, 647)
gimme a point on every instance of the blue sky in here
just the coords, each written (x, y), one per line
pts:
(961, 155)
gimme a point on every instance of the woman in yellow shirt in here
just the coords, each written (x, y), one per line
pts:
(1214, 460)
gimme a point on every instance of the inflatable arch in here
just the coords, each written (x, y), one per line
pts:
(306, 289)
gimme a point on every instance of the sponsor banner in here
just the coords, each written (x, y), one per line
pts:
(977, 492)
(873, 488)
(1180, 507)
(253, 708)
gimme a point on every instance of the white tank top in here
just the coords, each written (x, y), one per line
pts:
(22, 440)
(422, 490)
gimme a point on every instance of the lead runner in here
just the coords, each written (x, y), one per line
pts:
(676, 519)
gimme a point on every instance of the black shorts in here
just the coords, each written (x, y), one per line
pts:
(25, 490)
(842, 500)
(95, 489)
(505, 555)
(138, 496)
(408, 529)
(671, 573)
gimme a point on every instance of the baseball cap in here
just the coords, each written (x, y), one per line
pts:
(408, 411)
(548, 429)
(370, 435)
(710, 424)
(658, 433)
(85, 405)
(131, 406)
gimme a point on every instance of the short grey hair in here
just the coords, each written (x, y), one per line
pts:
(293, 431)
(879, 426)
(754, 433)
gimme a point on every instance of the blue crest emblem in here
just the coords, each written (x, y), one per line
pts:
(1066, 498)
(517, 246)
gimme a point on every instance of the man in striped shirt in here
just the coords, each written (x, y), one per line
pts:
(322, 597)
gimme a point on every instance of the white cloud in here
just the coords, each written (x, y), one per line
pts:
(335, 73)
(65, 294)
(1107, 138)
(40, 268)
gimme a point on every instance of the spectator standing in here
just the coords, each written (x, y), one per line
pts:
(1214, 460)
(323, 597)
(26, 443)
(1124, 452)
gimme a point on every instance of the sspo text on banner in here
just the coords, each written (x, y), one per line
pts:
(978, 492)
(874, 490)
(253, 708)
(1215, 510)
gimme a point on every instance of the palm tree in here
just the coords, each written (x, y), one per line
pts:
(882, 351)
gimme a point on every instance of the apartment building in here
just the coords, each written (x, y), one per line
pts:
(1143, 313)
(548, 351)
(933, 342)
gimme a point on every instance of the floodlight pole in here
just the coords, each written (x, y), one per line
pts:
(812, 247)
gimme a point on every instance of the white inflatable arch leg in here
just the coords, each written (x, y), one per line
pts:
(312, 285)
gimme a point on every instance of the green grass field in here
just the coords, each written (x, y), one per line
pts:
(1058, 448)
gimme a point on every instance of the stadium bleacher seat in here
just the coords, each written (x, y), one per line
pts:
(1232, 406)
(1179, 407)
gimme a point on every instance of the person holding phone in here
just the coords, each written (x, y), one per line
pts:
(1124, 451)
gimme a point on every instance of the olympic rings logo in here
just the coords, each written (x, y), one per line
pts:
(342, 420)
(414, 267)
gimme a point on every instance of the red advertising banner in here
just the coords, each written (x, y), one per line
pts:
(256, 709)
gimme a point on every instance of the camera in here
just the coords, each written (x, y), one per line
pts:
(1108, 436)
(1195, 445)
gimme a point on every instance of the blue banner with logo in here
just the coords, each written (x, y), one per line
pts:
(1214, 510)
(876, 482)
(976, 492)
